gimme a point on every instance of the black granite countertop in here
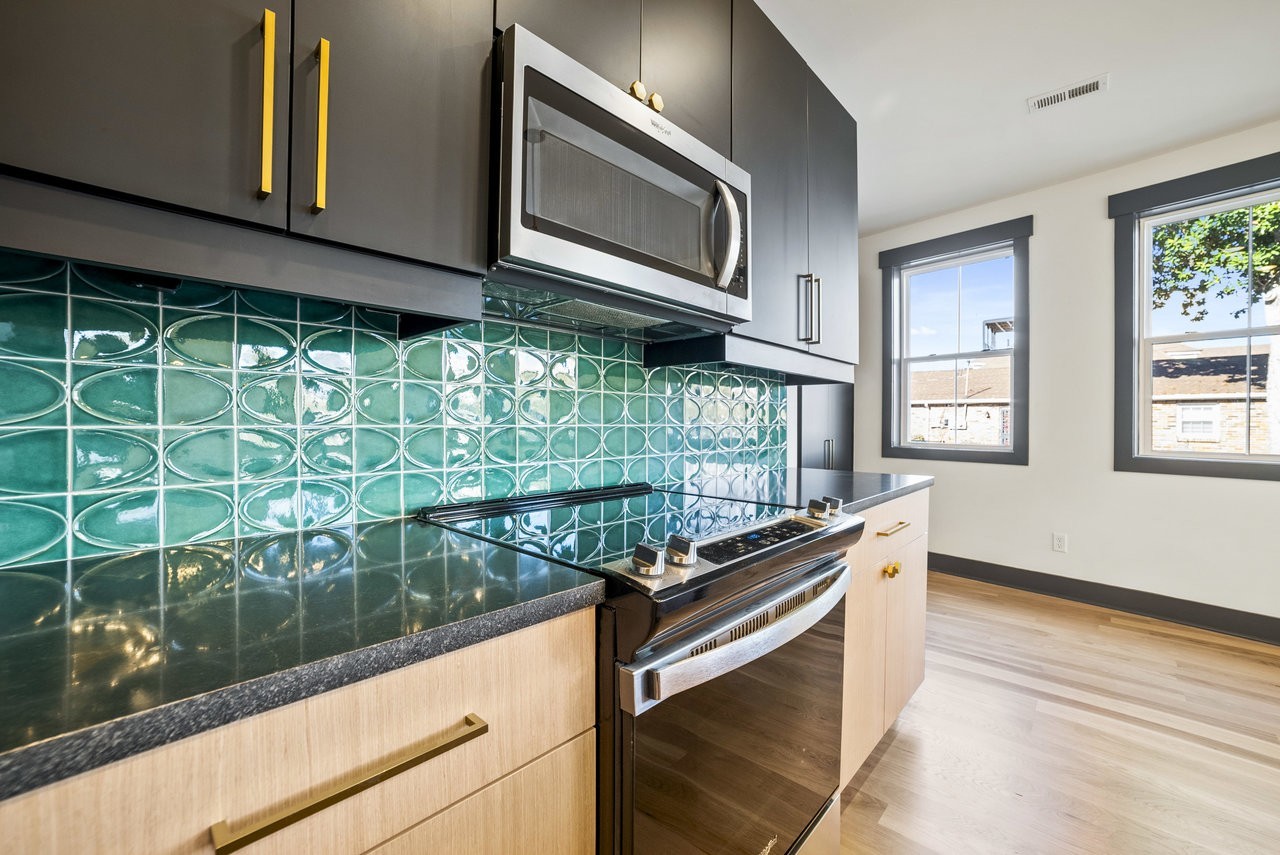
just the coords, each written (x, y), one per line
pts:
(795, 487)
(102, 658)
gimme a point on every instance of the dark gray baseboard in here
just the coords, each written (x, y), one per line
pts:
(1202, 615)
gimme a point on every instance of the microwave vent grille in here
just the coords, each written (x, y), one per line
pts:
(605, 316)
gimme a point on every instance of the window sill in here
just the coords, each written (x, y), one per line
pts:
(1012, 457)
(1198, 467)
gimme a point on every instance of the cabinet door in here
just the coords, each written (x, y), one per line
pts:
(684, 57)
(826, 426)
(815, 423)
(407, 149)
(904, 629)
(770, 83)
(864, 664)
(604, 37)
(151, 98)
(833, 222)
(546, 806)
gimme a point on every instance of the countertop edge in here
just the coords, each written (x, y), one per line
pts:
(60, 757)
(925, 482)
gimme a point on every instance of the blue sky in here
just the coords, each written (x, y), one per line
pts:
(985, 292)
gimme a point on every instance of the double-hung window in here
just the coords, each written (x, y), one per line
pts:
(956, 350)
(1198, 323)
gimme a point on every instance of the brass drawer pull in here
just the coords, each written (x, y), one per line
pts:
(268, 98)
(890, 532)
(892, 570)
(225, 841)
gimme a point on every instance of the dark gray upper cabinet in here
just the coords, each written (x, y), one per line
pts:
(825, 432)
(770, 141)
(151, 98)
(800, 147)
(603, 36)
(407, 147)
(685, 50)
(833, 222)
(679, 49)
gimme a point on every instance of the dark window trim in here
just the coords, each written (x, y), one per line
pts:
(1128, 209)
(1016, 232)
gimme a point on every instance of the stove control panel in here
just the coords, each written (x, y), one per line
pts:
(741, 545)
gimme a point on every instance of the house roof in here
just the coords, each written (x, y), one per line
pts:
(1177, 370)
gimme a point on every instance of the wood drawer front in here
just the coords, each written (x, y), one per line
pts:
(535, 687)
(912, 509)
(546, 806)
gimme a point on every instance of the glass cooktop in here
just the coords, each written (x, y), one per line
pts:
(594, 532)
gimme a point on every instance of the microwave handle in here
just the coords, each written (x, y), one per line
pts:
(730, 262)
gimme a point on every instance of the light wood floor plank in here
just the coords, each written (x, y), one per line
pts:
(1046, 726)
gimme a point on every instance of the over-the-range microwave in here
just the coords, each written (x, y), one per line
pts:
(609, 217)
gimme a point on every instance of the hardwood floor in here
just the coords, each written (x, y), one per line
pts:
(1046, 726)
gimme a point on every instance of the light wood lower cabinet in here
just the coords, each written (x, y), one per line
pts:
(535, 688)
(547, 806)
(884, 624)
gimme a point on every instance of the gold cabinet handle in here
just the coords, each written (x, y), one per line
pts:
(639, 91)
(225, 841)
(322, 128)
(892, 570)
(268, 99)
(656, 102)
(892, 530)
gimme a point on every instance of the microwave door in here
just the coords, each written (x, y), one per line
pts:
(600, 197)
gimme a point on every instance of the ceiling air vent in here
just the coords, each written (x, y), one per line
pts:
(1094, 85)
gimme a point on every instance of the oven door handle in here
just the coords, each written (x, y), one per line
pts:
(646, 684)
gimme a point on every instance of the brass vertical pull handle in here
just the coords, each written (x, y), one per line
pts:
(268, 99)
(224, 840)
(322, 128)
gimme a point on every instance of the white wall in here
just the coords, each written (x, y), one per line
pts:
(1213, 540)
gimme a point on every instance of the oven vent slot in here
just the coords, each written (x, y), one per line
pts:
(790, 604)
(760, 621)
(705, 647)
(747, 627)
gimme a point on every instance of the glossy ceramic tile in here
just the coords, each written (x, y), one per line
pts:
(135, 419)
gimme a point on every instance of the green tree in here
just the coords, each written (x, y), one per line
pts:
(1219, 256)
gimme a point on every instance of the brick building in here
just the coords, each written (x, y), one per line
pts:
(1199, 401)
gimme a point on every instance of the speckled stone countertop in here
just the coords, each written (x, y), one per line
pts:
(101, 658)
(795, 487)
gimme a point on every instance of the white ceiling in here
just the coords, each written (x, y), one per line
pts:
(939, 88)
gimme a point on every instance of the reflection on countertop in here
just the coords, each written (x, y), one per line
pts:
(795, 487)
(87, 642)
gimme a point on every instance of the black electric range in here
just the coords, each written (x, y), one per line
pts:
(721, 656)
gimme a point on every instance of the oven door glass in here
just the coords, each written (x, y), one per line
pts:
(743, 763)
(598, 182)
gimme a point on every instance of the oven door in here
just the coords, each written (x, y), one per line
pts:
(599, 187)
(735, 735)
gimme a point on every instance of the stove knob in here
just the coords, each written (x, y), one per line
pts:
(835, 503)
(646, 560)
(681, 551)
(819, 509)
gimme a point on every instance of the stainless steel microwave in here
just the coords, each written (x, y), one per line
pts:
(605, 203)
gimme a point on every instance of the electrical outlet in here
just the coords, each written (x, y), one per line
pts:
(1059, 542)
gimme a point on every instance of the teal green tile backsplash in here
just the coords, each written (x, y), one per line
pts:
(132, 418)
